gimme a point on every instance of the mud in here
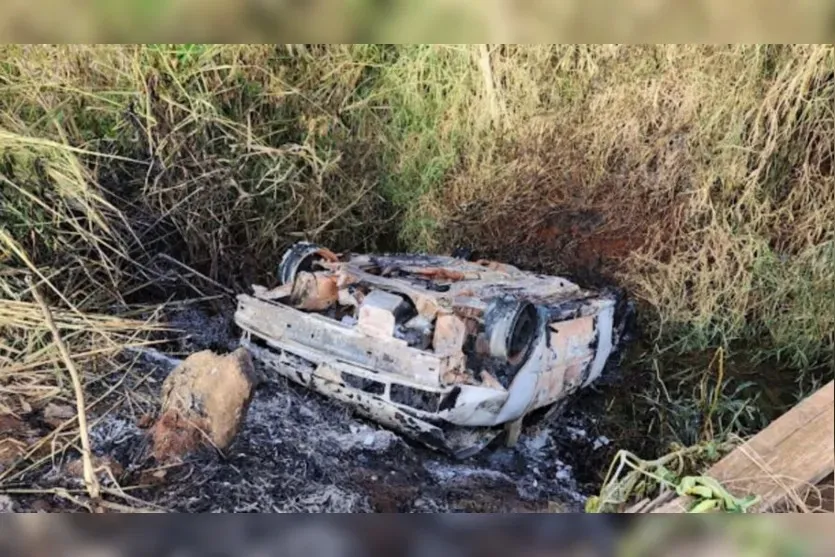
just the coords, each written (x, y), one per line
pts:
(300, 452)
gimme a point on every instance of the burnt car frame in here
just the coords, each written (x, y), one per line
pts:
(448, 351)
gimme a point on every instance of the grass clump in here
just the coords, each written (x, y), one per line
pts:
(699, 177)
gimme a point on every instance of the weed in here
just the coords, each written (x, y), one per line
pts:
(699, 177)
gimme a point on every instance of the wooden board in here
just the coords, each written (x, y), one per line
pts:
(797, 450)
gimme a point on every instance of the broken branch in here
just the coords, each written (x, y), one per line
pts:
(90, 480)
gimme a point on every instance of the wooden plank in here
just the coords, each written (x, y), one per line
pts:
(795, 451)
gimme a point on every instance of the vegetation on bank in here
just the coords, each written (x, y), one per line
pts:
(700, 178)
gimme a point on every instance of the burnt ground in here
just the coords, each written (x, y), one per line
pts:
(300, 452)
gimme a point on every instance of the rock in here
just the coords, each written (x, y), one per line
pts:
(101, 466)
(204, 402)
(56, 414)
(364, 437)
(6, 504)
(12, 447)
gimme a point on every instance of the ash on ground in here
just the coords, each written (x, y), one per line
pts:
(301, 452)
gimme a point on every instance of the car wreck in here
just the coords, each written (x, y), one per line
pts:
(447, 351)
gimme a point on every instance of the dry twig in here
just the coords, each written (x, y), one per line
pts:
(90, 480)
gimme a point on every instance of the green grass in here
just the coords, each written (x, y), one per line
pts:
(706, 171)
(698, 177)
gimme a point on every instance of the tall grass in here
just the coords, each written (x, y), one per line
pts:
(700, 177)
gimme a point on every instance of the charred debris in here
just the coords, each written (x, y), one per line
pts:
(448, 351)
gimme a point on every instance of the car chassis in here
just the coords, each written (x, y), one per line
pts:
(447, 351)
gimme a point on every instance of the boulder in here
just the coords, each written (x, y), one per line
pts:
(204, 403)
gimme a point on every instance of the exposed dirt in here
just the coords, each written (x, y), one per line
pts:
(298, 451)
(584, 230)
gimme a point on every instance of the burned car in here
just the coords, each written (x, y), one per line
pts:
(448, 351)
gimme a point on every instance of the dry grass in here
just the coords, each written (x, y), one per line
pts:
(33, 374)
(700, 177)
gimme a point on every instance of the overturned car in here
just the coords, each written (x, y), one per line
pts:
(448, 351)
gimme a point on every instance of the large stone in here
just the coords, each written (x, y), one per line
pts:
(204, 402)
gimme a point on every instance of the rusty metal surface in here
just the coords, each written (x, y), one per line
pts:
(429, 345)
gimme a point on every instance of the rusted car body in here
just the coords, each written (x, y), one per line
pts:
(447, 351)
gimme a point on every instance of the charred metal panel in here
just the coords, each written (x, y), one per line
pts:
(281, 323)
(429, 344)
